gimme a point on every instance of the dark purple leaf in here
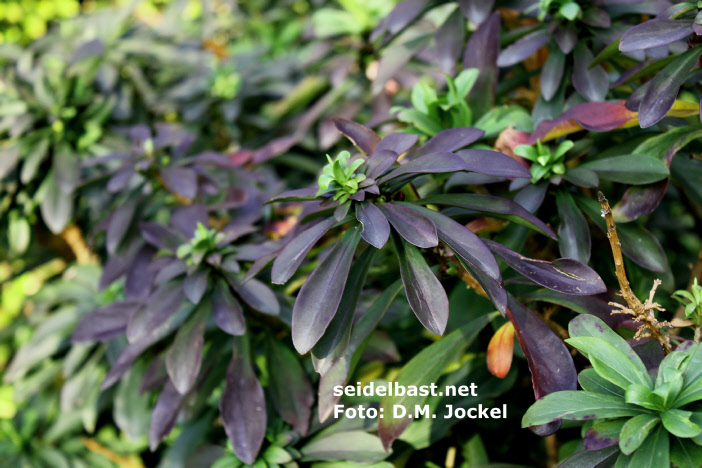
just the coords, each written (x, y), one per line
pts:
(292, 255)
(165, 414)
(155, 376)
(184, 357)
(376, 229)
(552, 73)
(597, 18)
(113, 269)
(532, 196)
(320, 296)
(399, 18)
(256, 294)
(523, 48)
(290, 388)
(398, 142)
(654, 33)
(234, 231)
(274, 148)
(138, 279)
(411, 225)
(488, 205)
(450, 140)
(591, 83)
(550, 363)
(104, 323)
(363, 138)
(186, 219)
(566, 37)
(634, 100)
(392, 60)
(493, 163)
(428, 164)
(425, 294)
(476, 10)
(661, 93)
(195, 285)
(243, 405)
(332, 346)
(481, 53)
(180, 180)
(379, 163)
(119, 223)
(226, 310)
(257, 266)
(448, 42)
(573, 232)
(563, 275)
(461, 240)
(640, 201)
(295, 195)
(158, 308)
(161, 237)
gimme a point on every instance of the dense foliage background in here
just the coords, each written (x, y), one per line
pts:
(216, 211)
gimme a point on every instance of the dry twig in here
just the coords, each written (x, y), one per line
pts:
(641, 312)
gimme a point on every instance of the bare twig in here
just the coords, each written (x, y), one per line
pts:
(641, 312)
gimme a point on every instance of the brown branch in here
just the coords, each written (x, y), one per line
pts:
(642, 312)
(73, 236)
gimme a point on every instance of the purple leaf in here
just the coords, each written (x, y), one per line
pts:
(566, 37)
(573, 232)
(290, 388)
(226, 310)
(391, 61)
(493, 163)
(563, 275)
(320, 296)
(597, 18)
(425, 294)
(243, 405)
(184, 357)
(399, 18)
(104, 323)
(654, 33)
(256, 294)
(603, 458)
(398, 142)
(550, 363)
(292, 255)
(640, 201)
(165, 414)
(113, 269)
(448, 42)
(161, 237)
(363, 138)
(411, 225)
(180, 180)
(450, 140)
(591, 83)
(481, 53)
(332, 346)
(159, 307)
(428, 164)
(195, 285)
(376, 229)
(186, 219)
(532, 196)
(476, 10)
(272, 149)
(523, 48)
(138, 278)
(119, 223)
(379, 163)
(661, 93)
(295, 195)
(552, 73)
(488, 205)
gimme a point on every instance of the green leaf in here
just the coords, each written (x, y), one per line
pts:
(590, 381)
(424, 369)
(570, 10)
(352, 446)
(56, 206)
(609, 362)
(577, 406)
(465, 80)
(654, 452)
(678, 423)
(685, 454)
(635, 431)
(640, 395)
(629, 169)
